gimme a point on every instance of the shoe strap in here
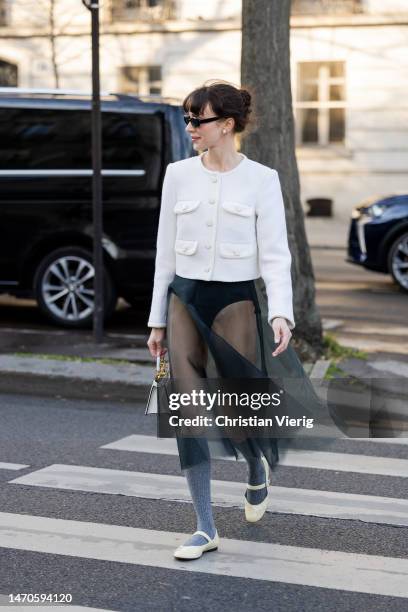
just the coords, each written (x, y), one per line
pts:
(256, 487)
(203, 534)
(265, 484)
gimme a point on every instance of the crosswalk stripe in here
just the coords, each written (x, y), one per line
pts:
(131, 442)
(309, 502)
(12, 466)
(5, 601)
(343, 462)
(239, 558)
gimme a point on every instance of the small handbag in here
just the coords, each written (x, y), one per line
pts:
(161, 378)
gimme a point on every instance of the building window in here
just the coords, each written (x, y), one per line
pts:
(142, 10)
(143, 80)
(8, 74)
(320, 103)
(326, 7)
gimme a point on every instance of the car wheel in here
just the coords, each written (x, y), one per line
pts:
(398, 261)
(64, 287)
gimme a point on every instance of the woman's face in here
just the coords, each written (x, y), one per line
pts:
(208, 134)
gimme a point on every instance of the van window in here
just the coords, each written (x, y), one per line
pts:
(42, 139)
(131, 141)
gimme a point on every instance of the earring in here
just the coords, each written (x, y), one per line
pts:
(224, 131)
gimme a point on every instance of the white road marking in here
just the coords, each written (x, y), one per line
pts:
(360, 573)
(286, 500)
(342, 462)
(12, 466)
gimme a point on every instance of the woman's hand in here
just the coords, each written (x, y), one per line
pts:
(282, 334)
(155, 342)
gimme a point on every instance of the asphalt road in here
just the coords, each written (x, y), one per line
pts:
(79, 529)
(365, 309)
(349, 292)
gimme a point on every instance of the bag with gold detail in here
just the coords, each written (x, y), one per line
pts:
(161, 378)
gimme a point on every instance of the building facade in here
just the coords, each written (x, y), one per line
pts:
(349, 69)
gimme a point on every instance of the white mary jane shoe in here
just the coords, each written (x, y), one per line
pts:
(195, 551)
(254, 512)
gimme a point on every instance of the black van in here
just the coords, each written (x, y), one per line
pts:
(46, 196)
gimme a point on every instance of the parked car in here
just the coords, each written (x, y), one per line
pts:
(378, 236)
(46, 196)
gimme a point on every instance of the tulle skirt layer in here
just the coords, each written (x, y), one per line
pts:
(218, 336)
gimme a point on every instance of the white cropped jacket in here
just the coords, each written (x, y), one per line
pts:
(224, 226)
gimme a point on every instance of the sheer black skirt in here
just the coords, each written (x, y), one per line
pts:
(219, 330)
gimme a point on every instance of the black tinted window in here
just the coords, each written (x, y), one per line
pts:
(48, 139)
(44, 139)
(131, 141)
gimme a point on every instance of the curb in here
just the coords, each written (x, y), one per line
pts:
(29, 384)
(89, 380)
(74, 379)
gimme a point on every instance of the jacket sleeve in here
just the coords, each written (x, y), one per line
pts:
(165, 266)
(274, 255)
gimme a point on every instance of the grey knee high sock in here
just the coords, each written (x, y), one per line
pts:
(199, 483)
(256, 471)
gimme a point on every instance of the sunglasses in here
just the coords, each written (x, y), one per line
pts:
(195, 122)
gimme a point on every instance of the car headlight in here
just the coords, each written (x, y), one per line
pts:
(375, 210)
(372, 211)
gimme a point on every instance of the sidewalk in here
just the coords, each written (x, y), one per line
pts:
(53, 367)
(327, 232)
(54, 364)
(121, 368)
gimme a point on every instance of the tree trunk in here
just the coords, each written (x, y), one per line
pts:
(265, 70)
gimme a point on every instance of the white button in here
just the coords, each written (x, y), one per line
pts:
(214, 179)
(185, 249)
(212, 201)
(207, 269)
(184, 207)
(238, 208)
(236, 252)
(208, 246)
(209, 223)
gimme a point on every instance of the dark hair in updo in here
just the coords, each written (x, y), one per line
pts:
(225, 99)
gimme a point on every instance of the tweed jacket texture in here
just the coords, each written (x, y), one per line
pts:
(224, 226)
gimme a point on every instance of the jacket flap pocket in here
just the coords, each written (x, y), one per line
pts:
(185, 206)
(186, 247)
(238, 209)
(236, 250)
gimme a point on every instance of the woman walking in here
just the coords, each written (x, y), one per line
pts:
(222, 228)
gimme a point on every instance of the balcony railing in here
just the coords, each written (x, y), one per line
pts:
(326, 7)
(142, 10)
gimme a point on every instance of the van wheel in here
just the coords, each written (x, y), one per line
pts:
(398, 261)
(64, 288)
